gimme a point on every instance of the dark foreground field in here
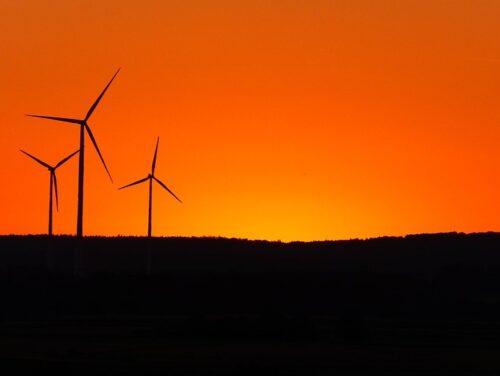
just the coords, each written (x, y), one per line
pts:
(420, 305)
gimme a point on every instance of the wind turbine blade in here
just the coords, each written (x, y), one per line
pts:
(97, 149)
(135, 182)
(55, 188)
(169, 191)
(153, 166)
(64, 120)
(94, 105)
(65, 159)
(36, 159)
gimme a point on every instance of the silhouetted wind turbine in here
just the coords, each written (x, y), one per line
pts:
(53, 182)
(152, 177)
(84, 127)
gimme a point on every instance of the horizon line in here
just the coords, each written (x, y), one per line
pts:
(490, 232)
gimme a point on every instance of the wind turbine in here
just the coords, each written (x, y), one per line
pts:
(53, 182)
(151, 176)
(84, 127)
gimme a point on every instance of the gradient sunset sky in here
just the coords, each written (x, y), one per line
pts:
(291, 120)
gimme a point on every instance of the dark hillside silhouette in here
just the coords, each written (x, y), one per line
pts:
(444, 274)
(344, 307)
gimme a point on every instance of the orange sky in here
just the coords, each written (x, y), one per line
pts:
(282, 120)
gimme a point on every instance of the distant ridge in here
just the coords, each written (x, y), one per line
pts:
(446, 276)
(449, 234)
(416, 253)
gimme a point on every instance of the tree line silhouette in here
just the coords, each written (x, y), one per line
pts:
(415, 304)
(426, 274)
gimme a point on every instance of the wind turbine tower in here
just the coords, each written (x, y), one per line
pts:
(53, 182)
(151, 176)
